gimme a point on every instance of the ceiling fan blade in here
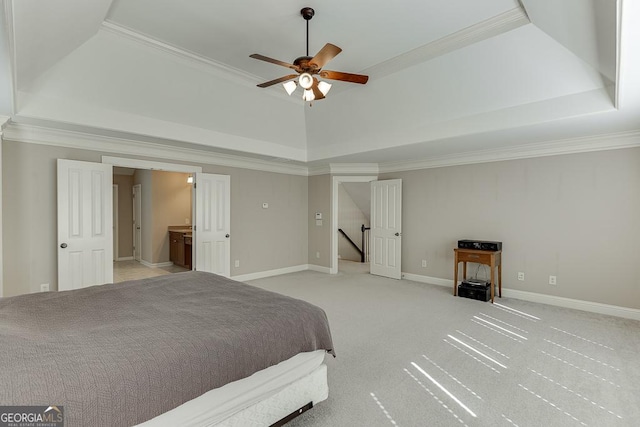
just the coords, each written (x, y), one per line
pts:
(347, 77)
(276, 81)
(273, 61)
(316, 91)
(326, 54)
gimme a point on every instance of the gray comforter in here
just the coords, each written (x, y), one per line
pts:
(117, 355)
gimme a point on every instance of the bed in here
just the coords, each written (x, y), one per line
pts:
(189, 349)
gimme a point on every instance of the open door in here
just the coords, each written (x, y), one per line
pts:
(213, 223)
(386, 228)
(85, 216)
(137, 222)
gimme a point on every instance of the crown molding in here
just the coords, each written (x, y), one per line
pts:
(319, 170)
(354, 168)
(121, 146)
(106, 144)
(209, 65)
(176, 52)
(345, 169)
(488, 28)
(586, 144)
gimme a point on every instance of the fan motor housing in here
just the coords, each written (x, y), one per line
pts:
(304, 64)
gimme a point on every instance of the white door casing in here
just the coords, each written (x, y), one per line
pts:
(213, 223)
(85, 216)
(115, 222)
(386, 228)
(137, 222)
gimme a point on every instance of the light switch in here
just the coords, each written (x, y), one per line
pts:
(265, 206)
(318, 216)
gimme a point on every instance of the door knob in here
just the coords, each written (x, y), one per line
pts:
(397, 234)
(63, 246)
(227, 236)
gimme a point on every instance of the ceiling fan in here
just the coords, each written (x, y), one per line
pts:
(307, 67)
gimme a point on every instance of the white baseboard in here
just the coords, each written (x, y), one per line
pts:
(125, 258)
(593, 307)
(156, 265)
(318, 268)
(270, 273)
(427, 279)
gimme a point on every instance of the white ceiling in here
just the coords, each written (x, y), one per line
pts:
(446, 78)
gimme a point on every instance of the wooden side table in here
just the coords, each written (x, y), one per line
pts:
(491, 258)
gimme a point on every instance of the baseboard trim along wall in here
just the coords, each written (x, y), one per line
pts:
(270, 273)
(156, 265)
(594, 307)
(279, 271)
(319, 268)
(125, 258)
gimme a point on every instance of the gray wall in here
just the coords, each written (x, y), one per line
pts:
(267, 239)
(262, 239)
(574, 216)
(320, 236)
(125, 215)
(171, 206)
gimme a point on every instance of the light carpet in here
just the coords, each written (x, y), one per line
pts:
(411, 354)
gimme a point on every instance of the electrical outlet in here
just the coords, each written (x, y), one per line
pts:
(552, 280)
(317, 254)
(424, 263)
(237, 263)
(44, 287)
(521, 276)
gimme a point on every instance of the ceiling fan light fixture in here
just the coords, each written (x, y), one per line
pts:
(324, 87)
(290, 86)
(308, 95)
(308, 66)
(305, 80)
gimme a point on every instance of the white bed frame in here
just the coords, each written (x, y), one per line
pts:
(269, 397)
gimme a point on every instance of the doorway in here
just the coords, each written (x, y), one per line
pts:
(150, 204)
(351, 201)
(96, 204)
(210, 212)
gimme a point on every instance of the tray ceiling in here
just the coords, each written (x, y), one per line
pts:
(447, 78)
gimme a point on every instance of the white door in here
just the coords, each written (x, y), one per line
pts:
(137, 222)
(85, 215)
(115, 222)
(213, 224)
(386, 228)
